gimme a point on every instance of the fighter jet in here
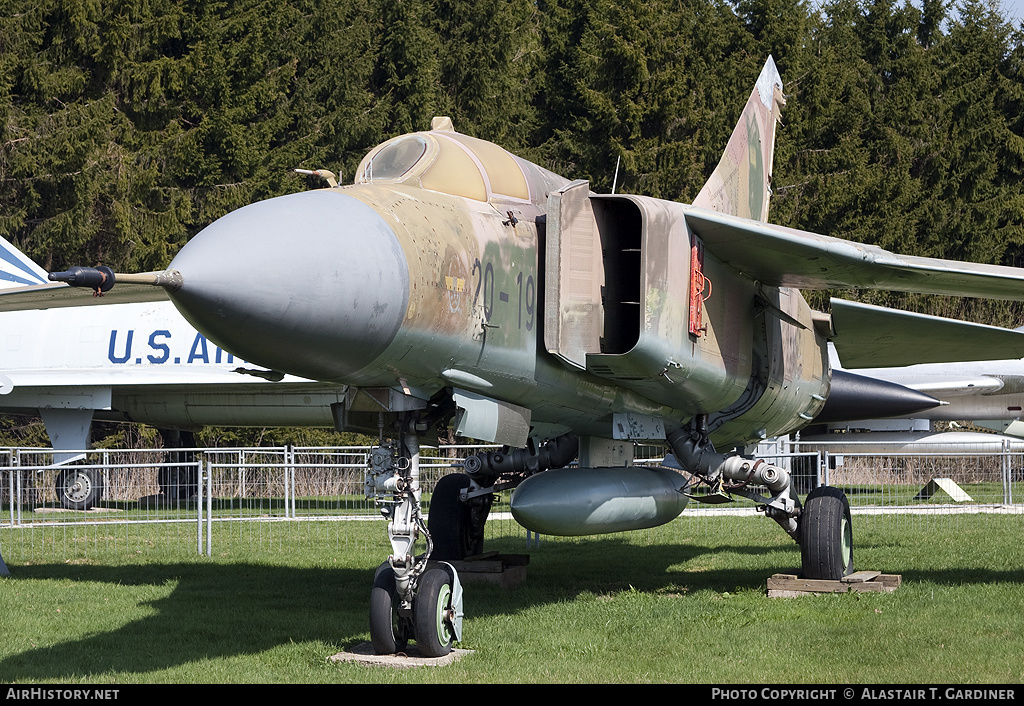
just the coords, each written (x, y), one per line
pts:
(456, 283)
(130, 361)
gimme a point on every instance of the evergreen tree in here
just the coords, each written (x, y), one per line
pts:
(407, 77)
(641, 82)
(488, 65)
(335, 116)
(975, 182)
(62, 167)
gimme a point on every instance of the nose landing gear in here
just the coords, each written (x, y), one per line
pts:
(412, 597)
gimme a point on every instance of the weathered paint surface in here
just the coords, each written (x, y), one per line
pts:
(740, 184)
(457, 233)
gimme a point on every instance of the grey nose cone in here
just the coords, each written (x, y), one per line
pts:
(314, 284)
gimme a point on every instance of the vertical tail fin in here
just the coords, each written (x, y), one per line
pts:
(16, 269)
(741, 183)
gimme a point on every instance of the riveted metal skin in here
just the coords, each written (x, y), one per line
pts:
(435, 270)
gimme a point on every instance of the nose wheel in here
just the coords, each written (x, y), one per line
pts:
(437, 613)
(411, 597)
(389, 629)
(434, 620)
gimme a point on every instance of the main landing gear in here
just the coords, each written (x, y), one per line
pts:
(413, 597)
(826, 535)
(79, 488)
(456, 526)
(821, 526)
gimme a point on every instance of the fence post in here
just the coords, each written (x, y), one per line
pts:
(199, 507)
(289, 482)
(1007, 474)
(16, 462)
(10, 487)
(209, 508)
(105, 471)
(4, 571)
(241, 474)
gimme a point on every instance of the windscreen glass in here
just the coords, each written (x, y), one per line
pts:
(396, 159)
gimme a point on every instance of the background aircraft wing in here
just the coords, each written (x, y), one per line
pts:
(958, 387)
(787, 257)
(58, 294)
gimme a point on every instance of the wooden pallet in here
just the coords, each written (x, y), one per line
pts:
(791, 586)
(506, 570)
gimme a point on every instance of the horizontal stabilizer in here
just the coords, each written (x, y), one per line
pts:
(786, 257)
(16, 268)
(868, 336)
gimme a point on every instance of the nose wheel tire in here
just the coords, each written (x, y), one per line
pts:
(434, 614)
(826, 535)
(389, 631)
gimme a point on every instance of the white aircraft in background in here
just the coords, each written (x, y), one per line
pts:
(131, 362)
(985, 393)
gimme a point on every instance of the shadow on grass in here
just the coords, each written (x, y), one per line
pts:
(218, 610)
(213, 610)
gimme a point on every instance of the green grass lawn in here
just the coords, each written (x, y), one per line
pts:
(681, 603)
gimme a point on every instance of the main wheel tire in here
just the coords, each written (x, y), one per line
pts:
(388, 631)
(79, 489)
(456, 528)
(826, 535)
(178, 482)
(432, 614)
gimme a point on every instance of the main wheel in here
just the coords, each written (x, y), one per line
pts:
(826, 535)
(456, 528)
(178, 482)
(433, 614)
(388, 630)
(79, 489)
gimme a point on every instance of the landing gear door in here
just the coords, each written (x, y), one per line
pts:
(574, 276)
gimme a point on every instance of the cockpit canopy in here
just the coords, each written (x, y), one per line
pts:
(446, 161)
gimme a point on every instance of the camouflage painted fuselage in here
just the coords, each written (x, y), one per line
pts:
(452, 265)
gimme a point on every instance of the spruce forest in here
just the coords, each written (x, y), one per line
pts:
(127, 126)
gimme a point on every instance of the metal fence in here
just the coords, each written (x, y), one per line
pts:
(50, 509)
(64, 508)
(879, 477)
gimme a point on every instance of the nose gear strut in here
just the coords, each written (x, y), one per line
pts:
(423, 598)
